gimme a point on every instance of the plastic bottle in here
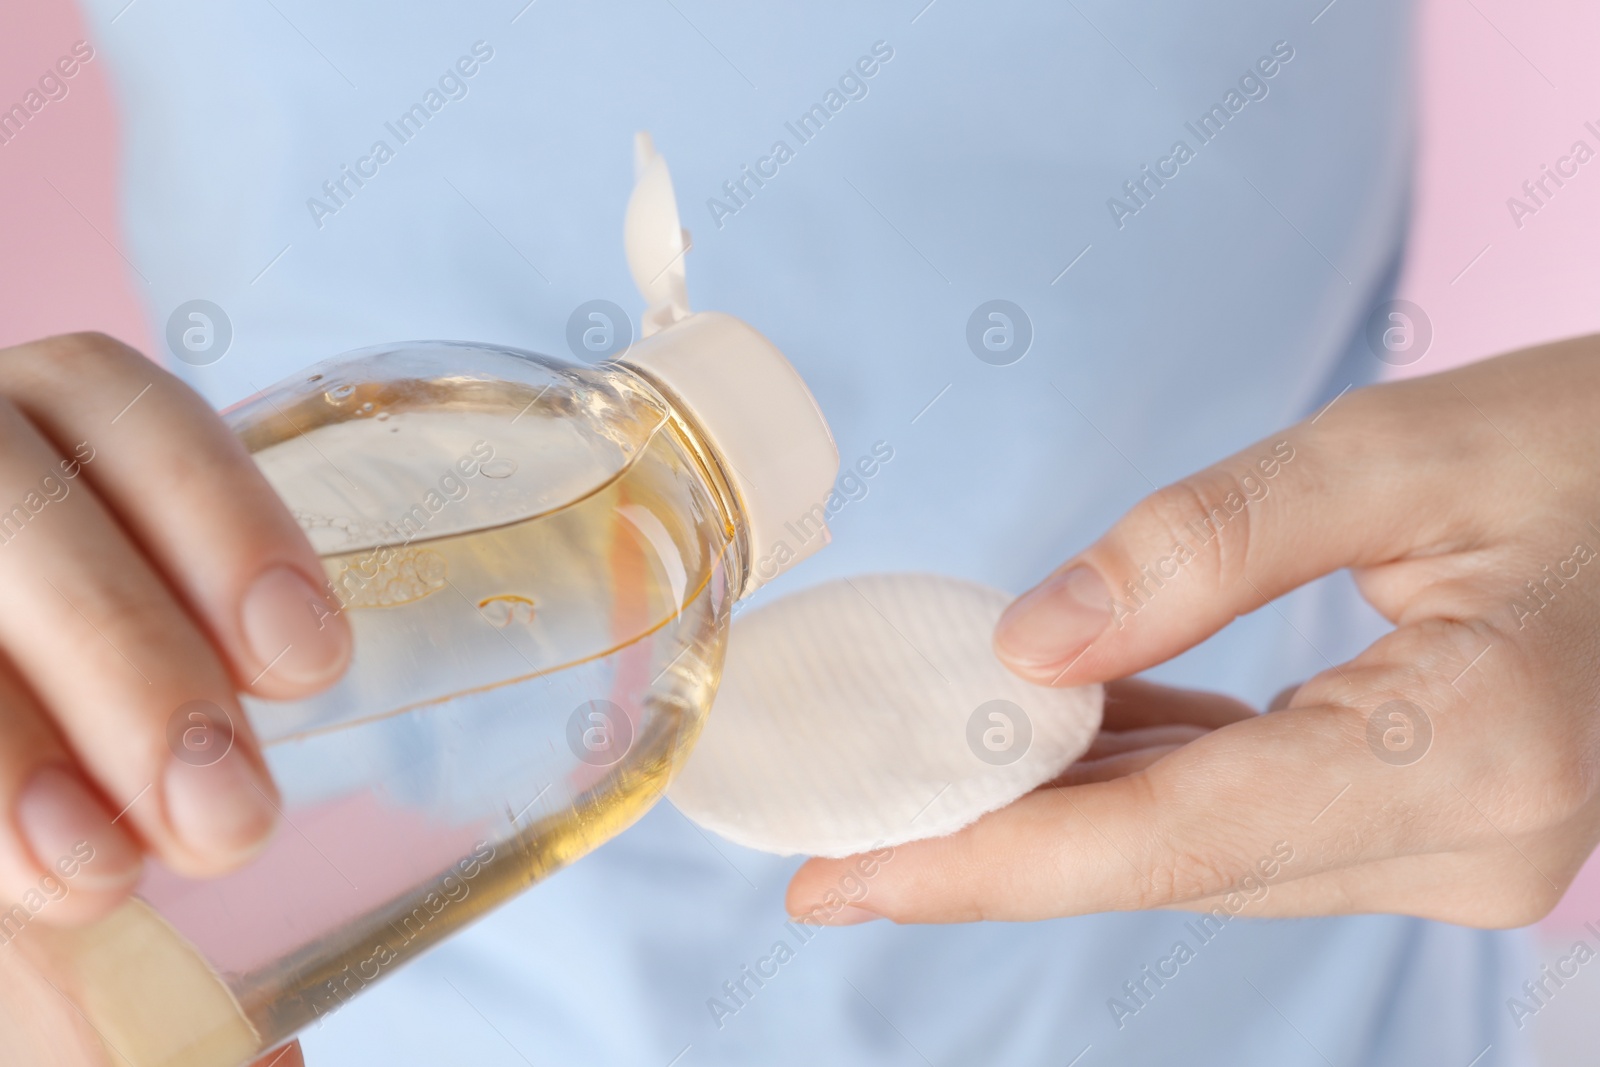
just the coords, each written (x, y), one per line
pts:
(538, 559)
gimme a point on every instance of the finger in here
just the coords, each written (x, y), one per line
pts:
(1187, 827)
(116, 661)
(1284, 698)
(1449, 887)
(1498, 886)
(1190, 558)
(1116, 742)
(1118, 766)
(38, 1025)
(1132, 703)
(287, 1056)
(63, 860)
(189, 494)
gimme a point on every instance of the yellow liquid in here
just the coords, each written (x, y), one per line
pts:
(477, 652)
(152, 999)
(322, 977)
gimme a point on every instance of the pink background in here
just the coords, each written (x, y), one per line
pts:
(1506, 87)
(60, 264)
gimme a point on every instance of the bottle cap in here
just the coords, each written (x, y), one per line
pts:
(746, 399)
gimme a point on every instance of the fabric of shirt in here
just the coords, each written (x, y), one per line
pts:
(1196, 206)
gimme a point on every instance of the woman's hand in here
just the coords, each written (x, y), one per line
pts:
(147, 573)
(1452, 770)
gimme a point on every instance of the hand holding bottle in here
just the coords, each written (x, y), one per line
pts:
(148, 572)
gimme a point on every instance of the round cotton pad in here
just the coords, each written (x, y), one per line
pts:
(872, 711)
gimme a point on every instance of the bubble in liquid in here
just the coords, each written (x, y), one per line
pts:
(352, 529)
(382, 416)
(340, 393)
(310, 521)
(507, 609)
(386, 577)
(367, 406)
(498, 468)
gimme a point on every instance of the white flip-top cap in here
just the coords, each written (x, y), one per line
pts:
(742, 394)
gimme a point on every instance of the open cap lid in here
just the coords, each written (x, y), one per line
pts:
(747, 400)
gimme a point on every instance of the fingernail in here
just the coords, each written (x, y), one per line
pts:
(849, 915)
(291, 629)
(71, 834)
(1055, 620)
(223, 810)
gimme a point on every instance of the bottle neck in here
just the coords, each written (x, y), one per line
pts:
(713, 473)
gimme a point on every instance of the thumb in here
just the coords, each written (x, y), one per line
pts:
(1223, 542)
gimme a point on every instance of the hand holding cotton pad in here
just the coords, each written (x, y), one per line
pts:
(871, 711)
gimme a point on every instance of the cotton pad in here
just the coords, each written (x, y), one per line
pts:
(872, 711)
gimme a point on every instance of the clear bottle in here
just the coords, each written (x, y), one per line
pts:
(538, 560)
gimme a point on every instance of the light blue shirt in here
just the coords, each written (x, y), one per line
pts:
(1183, 302)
